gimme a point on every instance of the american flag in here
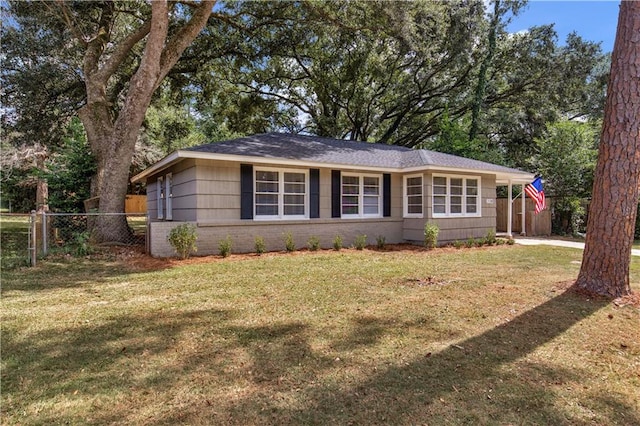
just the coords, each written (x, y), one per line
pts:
(535, 191)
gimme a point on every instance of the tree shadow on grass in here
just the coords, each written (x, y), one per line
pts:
(281, 376)
(465, 382)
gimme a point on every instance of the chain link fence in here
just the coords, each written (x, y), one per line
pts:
(26, 238)
(15, 240)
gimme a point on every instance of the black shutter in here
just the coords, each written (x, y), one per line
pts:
(314, 193)
(246, 191)
(386, 195)
(335, 193)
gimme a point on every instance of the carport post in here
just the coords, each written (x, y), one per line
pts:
(523, 231)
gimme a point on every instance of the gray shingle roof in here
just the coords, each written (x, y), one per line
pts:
(341, 152)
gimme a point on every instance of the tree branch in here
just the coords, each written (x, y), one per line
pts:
(66, 17)
(122, 51)
(184, 37)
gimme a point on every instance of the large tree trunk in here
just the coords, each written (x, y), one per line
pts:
(612, 213)
(112, 140)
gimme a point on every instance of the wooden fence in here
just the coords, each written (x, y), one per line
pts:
(135, 204)
(535, 224)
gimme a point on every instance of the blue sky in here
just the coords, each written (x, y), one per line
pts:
(592, 20)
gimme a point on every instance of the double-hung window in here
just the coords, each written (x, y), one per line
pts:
(361, 196)
(413, 203)
(281, 194)
(456, 196)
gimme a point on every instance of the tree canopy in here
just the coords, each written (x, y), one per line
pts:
(147, 78)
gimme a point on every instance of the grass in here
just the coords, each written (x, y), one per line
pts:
(14, 237)
(486, 336)
(14, 241)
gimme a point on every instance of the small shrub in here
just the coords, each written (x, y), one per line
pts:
(82, 244)
(183, 239)
(479, 242)
(360, 242)
(431, 231)
(490, 238)
(511, 241)
(225, 247)
(289, 244)
(380, 241)
(470, 243)
(260, 245)
(458, 244)
(500, 241)
(313, 243)
(337, 243)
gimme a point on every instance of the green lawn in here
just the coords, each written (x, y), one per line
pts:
(471, 336)
(14, 241)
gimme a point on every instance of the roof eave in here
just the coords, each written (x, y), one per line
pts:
(501, 176)
(167, 161)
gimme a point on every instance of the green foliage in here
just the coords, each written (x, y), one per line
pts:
(18, 190)
(183, 239)
(260, 245)
(314, 243)
(289, 243)
(70, 172)
(380, 241)
(453, 138)
(470, 242)
(82, 243)
(490, 239)
(458, 244)
(431, 231)
(360, 242)
(225, 247)
(171, 127)
(337, 243)
(566, 158)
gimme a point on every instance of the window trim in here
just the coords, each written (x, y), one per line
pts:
(361, 213)
(464, 195)
(168, 181)
(405, 196)
(281, 194)
(160, 198)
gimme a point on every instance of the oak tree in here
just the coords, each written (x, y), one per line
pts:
(114, 55)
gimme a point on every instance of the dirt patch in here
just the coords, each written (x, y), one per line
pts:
(632, 299)
(424, 282)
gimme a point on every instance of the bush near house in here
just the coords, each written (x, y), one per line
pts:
(183, 239)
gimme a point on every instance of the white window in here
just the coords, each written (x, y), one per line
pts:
(413, 203)
(168, 197)
(456, 196)
(281, 194)
(160, 197)
(361, 196)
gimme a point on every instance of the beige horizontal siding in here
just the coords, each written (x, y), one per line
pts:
(456, 228)
(216, 211)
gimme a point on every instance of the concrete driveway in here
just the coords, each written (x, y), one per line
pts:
(527, 241)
